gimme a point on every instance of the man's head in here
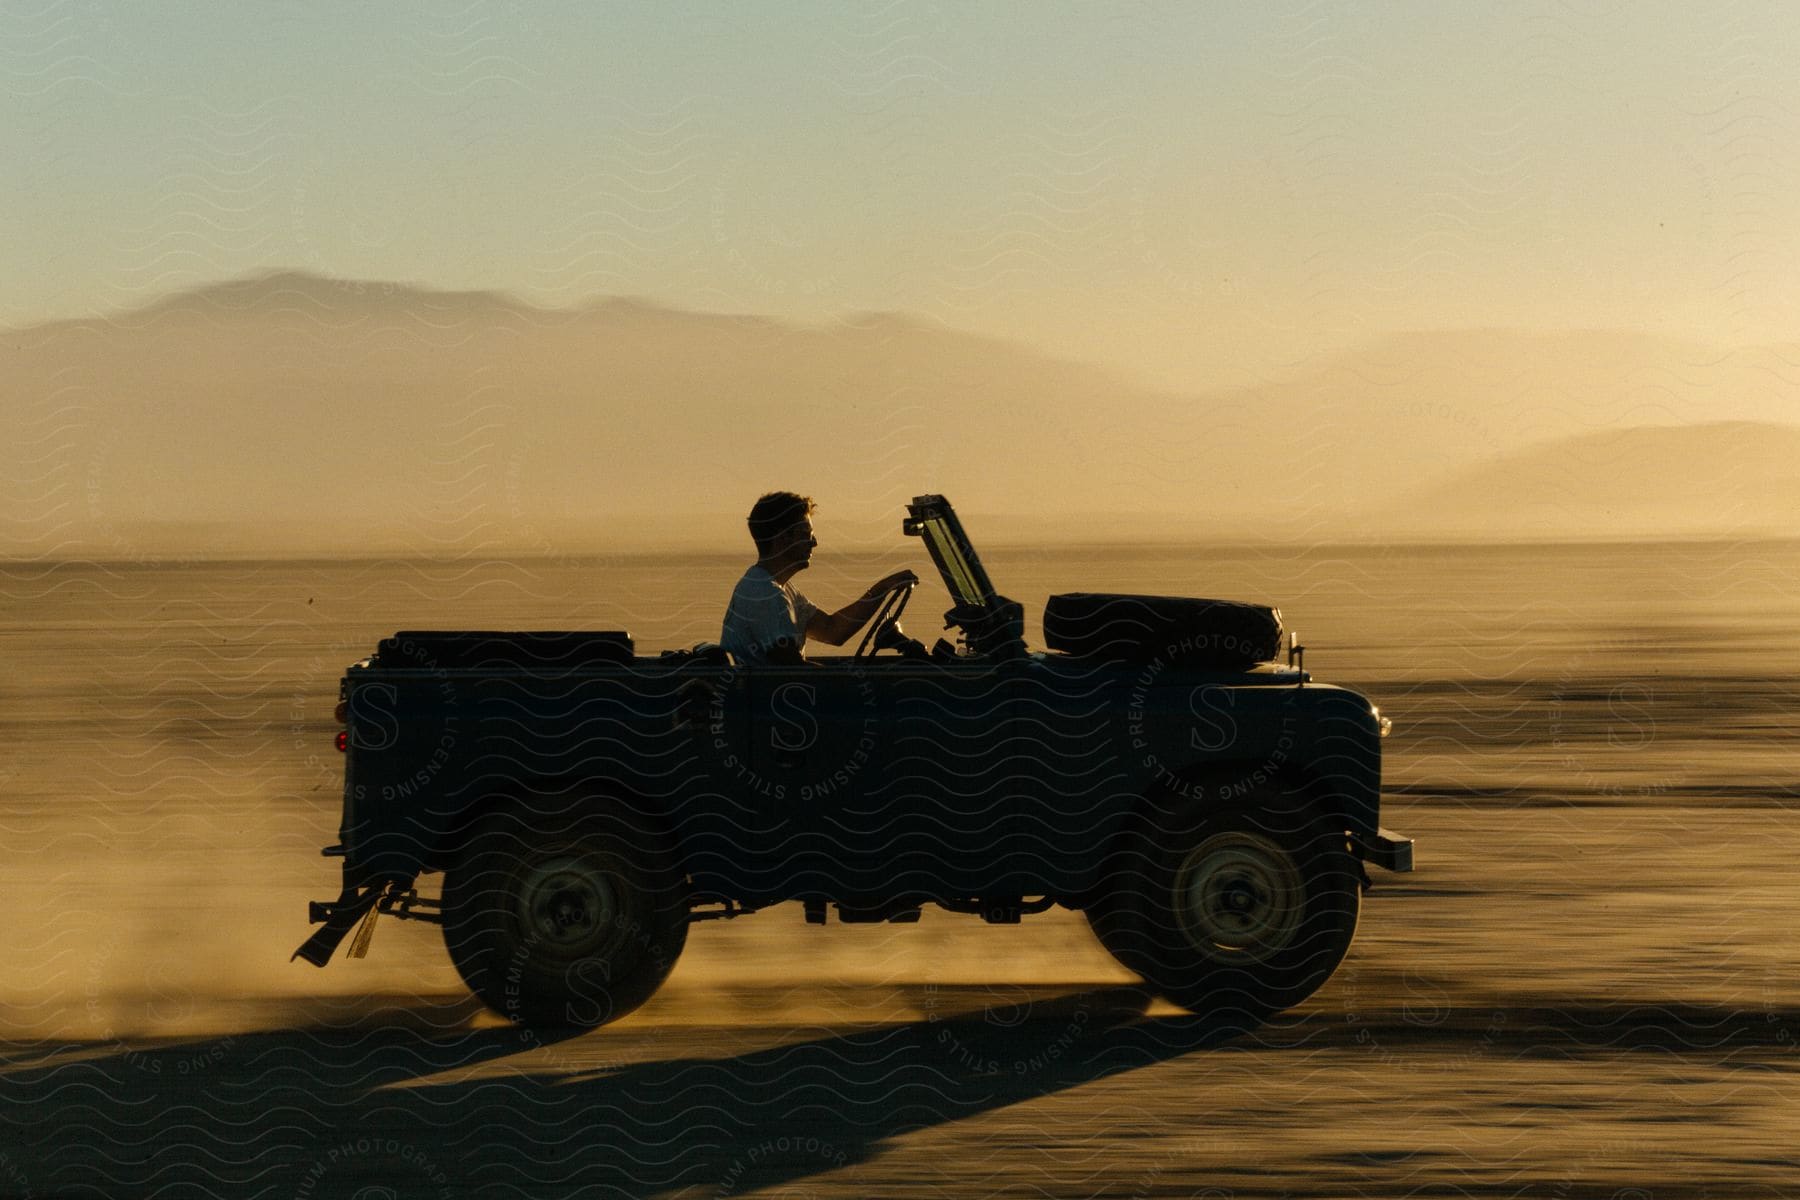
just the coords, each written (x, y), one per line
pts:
(781, 527)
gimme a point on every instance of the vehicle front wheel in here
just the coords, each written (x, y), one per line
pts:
(1234, 913)
(568, 921)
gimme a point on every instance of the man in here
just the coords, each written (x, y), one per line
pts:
(768, 620)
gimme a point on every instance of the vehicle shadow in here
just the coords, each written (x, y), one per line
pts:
(423, 1110)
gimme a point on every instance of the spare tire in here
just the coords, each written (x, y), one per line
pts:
(1174, 629)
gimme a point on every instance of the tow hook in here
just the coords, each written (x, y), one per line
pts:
(1386, 849)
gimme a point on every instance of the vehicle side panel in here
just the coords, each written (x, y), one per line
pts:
(432, 750)
(844, 779)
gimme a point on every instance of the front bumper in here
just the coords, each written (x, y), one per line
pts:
(1384, 848)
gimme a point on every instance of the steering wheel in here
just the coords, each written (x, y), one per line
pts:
(886, 617)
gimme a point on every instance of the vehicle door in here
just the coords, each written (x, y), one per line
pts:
(941, 819)
(815, 742)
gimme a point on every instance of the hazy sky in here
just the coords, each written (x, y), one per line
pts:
(1195, 190)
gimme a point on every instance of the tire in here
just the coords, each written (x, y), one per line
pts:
(1109, 922)
(564, 921)
(1234, 913)
(1176, 630)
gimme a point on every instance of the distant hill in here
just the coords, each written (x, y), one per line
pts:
(289, 413)
(1733, 477)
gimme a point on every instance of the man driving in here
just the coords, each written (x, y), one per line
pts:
(768, 620)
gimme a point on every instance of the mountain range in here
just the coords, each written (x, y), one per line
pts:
(288, 413)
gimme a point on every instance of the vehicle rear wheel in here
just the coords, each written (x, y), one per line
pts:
(1235, 913)
(568, 921)
(1110, 922)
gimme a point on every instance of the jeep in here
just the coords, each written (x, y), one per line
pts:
(1158, 766)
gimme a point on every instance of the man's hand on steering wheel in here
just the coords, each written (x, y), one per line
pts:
(895, 590)
(889, 583)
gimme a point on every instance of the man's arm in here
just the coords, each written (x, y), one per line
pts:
(834, 629)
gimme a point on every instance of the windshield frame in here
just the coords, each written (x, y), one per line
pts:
(934, 521)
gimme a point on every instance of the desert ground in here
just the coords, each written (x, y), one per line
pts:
(1588, 988)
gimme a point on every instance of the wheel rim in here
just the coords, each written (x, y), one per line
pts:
(568, 907)
(1240, 895)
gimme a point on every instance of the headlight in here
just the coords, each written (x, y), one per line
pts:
(1382, 723)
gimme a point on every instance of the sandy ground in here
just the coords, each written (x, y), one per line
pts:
(1587, 989)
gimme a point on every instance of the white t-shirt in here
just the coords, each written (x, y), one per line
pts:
(761, 613)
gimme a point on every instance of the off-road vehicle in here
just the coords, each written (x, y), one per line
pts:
(1158, 767)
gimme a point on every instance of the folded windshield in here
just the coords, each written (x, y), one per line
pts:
(935, 521)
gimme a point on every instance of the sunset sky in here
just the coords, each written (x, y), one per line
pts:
(1193, 192)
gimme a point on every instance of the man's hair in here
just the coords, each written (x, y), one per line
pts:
(776, 513)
